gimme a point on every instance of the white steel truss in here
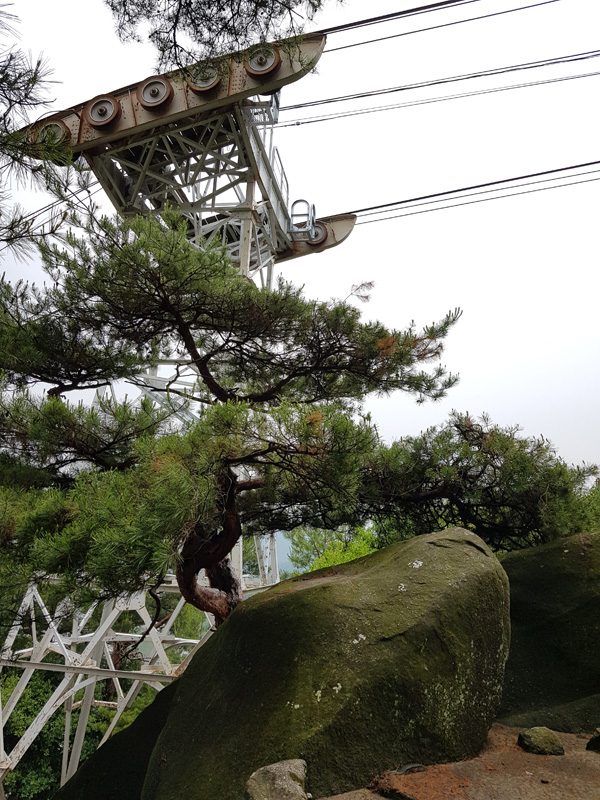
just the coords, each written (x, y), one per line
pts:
(221, 171)
(82, 647)
(85, 647)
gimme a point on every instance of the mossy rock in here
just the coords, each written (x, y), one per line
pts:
(117, 770)
(396, 657)
(578, 716)
(355, 669)
(553, 671)
(541, 741)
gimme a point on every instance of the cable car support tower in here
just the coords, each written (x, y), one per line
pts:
(201, 141)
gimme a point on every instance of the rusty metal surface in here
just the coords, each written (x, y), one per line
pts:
(237, 85)
(338, 227)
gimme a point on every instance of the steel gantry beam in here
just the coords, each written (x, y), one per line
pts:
(219, 172)
(200, 141)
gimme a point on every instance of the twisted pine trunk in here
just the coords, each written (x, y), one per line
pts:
(209, 550)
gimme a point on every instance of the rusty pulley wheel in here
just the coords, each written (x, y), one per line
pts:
(319, 234)
(263, 61)
(102, 111)
(204, 80)
(54, 132)
(154, 92)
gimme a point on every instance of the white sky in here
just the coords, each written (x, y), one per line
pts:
(524, 269)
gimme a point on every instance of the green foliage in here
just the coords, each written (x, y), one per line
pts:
(148, 292)
(144, 698)
(120, 528)
(511, 490)
(309, 544)
(191, 623)
(123, 529)
(23, 85)
(14, 505)
(37, 775)
(280, 379)
(15, 571)
(315, 481)
(16, 473)
(184, 31)
(361, 544)
(42, 341)
(591, 505)
(250, 560)
(314, 548)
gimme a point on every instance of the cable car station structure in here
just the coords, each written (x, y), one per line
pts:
(199, 140)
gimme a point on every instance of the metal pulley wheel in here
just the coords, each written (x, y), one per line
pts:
(55, 132)
(154, 92)
(262, 62)
(102, 111)
(319, 234)
(204, 80)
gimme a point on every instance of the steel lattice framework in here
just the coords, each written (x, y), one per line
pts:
(221, 172)
(200, 141)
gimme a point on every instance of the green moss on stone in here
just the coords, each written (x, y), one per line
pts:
(396, 657)
(553, 671)
(117, 770)
(578, 716)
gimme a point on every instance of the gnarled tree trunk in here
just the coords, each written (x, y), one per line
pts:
(208, 550)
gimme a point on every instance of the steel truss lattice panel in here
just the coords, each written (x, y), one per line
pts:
(221, 172)
(86, 647)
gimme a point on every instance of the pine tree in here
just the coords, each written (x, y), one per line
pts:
(280, 439)
(512, 490)
(185, 31)
(23, 157)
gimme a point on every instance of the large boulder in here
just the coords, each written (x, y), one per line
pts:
(117, 770)
(395, 658)
(553, 671)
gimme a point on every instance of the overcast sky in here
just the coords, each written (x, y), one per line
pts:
(523, 269)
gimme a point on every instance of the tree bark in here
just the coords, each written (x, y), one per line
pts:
(209, 550)
(214, 600)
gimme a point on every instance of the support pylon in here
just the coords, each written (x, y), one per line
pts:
(201, 141)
